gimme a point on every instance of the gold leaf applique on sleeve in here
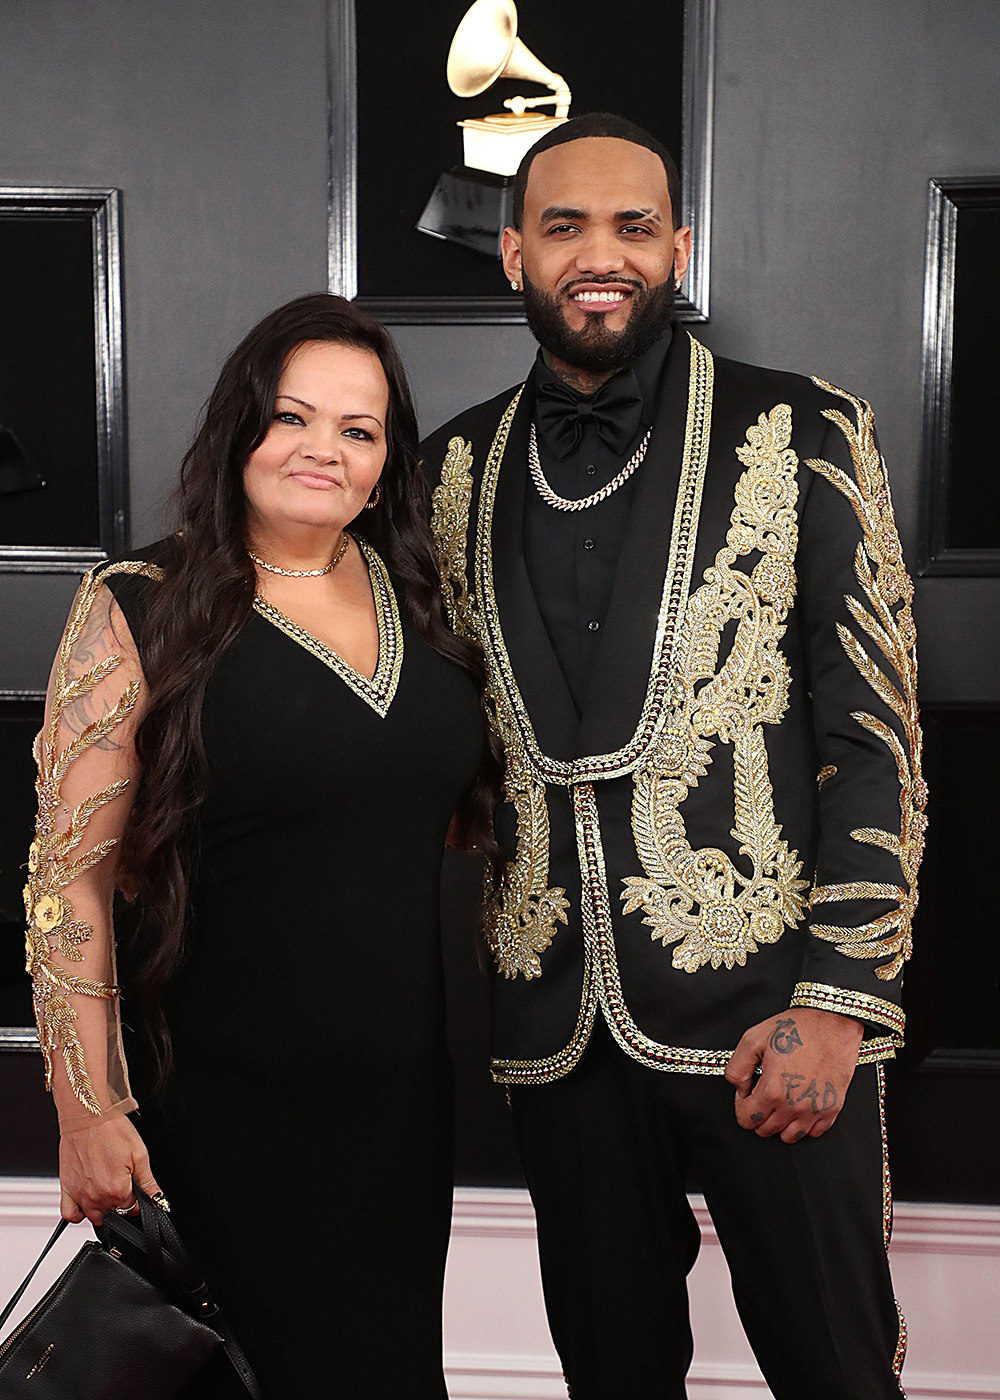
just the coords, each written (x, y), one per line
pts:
(52, 862)
(887, 621)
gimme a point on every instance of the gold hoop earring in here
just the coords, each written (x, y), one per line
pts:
(374, 498)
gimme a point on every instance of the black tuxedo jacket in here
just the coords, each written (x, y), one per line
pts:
(735, 822)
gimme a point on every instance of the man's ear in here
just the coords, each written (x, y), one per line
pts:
(682, 252)
(510, 253)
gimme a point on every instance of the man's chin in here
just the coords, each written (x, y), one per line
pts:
(595, 347)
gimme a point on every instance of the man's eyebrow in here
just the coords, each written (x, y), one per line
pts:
(562, 211)
(293, 399)
(629, 216)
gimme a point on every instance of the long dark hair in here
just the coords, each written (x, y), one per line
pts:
(207, 596)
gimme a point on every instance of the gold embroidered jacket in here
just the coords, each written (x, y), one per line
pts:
(735, 822)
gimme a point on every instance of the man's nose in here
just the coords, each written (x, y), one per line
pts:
(600, 254)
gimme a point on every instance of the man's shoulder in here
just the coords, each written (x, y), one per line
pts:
(472, 425)
(756, 383)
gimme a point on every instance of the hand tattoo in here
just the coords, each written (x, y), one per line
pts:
(756, 1118)
(812, 1092)
(785, 1037)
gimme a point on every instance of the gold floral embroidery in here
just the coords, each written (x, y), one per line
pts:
(521, 916)
(451, 503)
(890, 627)
(51, 864)
(825, 774)
(701, 900)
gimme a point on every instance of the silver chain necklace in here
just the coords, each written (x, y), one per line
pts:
(560, 502)
(304, 573)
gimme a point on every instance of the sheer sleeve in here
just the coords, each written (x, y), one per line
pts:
(86, 774)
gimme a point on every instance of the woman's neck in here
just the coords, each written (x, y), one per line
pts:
(294, 547)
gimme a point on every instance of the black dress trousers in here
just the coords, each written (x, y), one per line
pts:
(606, 1152)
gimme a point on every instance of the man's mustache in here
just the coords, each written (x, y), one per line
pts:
(579, 282)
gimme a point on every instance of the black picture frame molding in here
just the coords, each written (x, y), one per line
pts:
(698, 99)
(103, 206)
(945, 197)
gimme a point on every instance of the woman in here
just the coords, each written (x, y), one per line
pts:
(264, 727)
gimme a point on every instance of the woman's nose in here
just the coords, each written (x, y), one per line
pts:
(321, 442)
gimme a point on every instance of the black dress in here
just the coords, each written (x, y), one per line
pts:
(305, 1138)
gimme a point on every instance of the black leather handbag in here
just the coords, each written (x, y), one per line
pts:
(129, 1319)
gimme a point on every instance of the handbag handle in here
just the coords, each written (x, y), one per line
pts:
(170, 1267)
(34, 1270)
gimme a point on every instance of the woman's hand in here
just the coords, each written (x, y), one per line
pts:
(98, 1164)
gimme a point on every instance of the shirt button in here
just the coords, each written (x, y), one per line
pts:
(591, 470)
(588, 544)
(594, 626)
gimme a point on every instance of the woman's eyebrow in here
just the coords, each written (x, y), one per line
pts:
(293, 399)
(350, 417)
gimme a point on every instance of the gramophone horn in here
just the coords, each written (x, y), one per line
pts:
(483, 42)
(486, 47)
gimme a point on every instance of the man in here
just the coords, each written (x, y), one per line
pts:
(687, 581)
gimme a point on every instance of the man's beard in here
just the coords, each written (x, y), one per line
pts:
(594, 348)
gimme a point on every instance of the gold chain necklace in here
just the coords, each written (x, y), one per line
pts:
(304, 573)
(560, 502)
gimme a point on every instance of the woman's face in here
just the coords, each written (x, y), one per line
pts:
(326, 445)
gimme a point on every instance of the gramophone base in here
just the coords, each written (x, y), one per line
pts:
(471, 207)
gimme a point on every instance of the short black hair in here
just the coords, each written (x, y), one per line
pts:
(598, 124)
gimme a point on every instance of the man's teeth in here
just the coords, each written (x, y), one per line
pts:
(599, 296)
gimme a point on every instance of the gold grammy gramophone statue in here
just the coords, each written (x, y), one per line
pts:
(473, 203)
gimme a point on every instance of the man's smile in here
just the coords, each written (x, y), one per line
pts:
(600, 298)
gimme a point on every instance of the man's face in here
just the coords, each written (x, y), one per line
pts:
(597, 253)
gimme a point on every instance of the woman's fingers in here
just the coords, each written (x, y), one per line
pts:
(101, 1167)
(142, 1175)
(69, 1210)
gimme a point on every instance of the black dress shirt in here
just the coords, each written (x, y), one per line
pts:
(571, 555)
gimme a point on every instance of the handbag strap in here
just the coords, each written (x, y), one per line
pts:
(171, 1265)
(170, 1262)
(34, 1270)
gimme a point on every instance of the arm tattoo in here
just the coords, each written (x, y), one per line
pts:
(97, 641)
(785, 1037)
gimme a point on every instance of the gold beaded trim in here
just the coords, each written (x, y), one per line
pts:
(380, 690)
(901, 1340)
(675, 589)
(599, 932)
(848, 1002)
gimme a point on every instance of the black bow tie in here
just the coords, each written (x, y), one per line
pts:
(615, 411)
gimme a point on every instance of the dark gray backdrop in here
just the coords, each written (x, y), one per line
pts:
(829, 122)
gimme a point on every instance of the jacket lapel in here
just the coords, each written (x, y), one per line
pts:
(620, 676)
(536, 668)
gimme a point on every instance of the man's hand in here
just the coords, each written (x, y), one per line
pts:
(807, 1059)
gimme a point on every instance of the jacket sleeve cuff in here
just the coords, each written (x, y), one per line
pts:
(847, 1002)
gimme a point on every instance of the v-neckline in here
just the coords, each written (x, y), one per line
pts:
(378, 691)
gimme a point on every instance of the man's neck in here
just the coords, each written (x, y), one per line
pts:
(584, 381)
